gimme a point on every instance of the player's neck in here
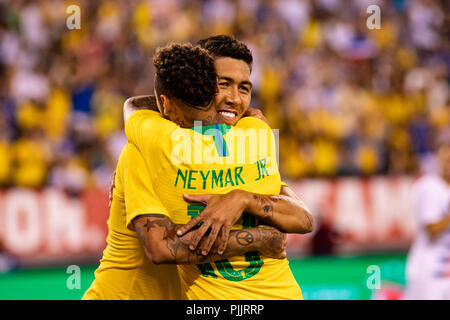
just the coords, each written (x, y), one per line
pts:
(186, 119)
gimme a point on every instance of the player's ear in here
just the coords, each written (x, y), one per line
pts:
(166, 105)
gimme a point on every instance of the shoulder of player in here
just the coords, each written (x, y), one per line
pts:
(145, 115)
(251, 122)
(150, 123)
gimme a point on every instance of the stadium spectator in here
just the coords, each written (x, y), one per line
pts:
(347, 100)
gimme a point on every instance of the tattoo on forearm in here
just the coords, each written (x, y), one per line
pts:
(177, 245)
(149, 224)
(266, 205)
(270, 235)
(268, 208)
(244, 238)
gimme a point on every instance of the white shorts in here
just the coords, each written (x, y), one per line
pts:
(430, 289)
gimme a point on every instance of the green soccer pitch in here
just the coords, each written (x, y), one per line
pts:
(321, 278)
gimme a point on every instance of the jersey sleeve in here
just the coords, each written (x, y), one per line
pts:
(140, 196)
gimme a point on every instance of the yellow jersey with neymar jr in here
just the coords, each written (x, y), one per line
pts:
(214, 159)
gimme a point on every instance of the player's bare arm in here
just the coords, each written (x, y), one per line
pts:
(163, 246)
(136, 103)
(434, 230)
(285, 211)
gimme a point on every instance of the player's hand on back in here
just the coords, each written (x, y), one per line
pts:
(252, 112)
(222, 211)
(136, 103)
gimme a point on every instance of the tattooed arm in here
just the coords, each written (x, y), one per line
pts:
(137, 103)
(285, 211)
(162, 245)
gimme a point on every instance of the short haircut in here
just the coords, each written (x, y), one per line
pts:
(227, 46)
(186, 73)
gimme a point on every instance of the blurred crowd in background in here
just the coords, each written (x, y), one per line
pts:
(347, 100)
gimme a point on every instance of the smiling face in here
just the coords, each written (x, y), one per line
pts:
(234, 89)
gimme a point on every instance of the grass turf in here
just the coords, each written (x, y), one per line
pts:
(319, 277)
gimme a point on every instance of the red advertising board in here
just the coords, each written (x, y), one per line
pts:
(363, 215)
(48, 225)
(366, 214)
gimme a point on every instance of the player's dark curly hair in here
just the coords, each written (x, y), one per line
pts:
(187, 73)
(227, 46)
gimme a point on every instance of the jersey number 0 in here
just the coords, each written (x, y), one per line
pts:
(224, 267)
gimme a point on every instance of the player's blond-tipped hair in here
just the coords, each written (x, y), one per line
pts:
(187, 73)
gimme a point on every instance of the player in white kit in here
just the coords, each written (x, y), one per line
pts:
(428, 264)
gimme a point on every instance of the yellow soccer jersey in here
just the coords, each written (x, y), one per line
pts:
(125, 272)
(214, 159)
